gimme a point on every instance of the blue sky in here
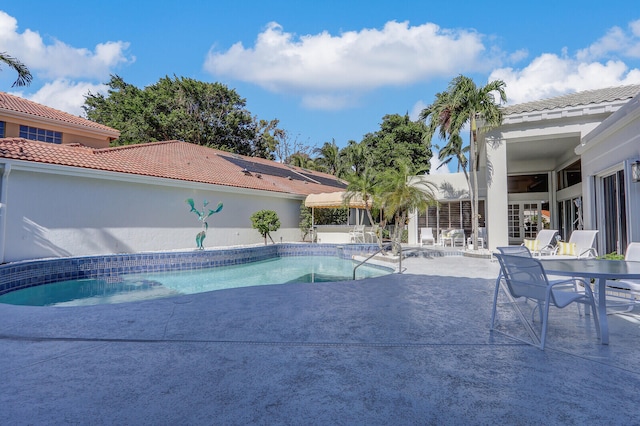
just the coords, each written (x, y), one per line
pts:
(326, 69)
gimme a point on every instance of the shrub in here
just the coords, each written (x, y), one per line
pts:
(265, 221)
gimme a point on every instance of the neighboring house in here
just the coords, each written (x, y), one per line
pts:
(533, 172)
(72, 199)
(21, 118)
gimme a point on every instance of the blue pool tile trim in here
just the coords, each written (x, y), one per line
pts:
(19, 275)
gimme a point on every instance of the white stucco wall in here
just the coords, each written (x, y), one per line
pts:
(497, 194)
(614, 145)
(54, 211)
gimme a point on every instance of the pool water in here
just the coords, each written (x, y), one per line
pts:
(135, 287)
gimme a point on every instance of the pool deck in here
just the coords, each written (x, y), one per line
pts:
(411, 348)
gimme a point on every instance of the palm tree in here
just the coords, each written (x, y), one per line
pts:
(463, 103)
(329, 157)
(362, 185)
(399, 194)
(353, 158)
(302, 160)
(24, 75)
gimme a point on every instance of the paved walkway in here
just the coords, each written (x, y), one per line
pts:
(403, 349)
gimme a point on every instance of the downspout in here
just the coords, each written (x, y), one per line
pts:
(4, 186)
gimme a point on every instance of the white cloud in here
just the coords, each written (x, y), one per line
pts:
(57, 59)
(435, 165)
(351, 62)
(65, 95)
(416, 110)
(549, 75)
(617, 41)
(596, 66)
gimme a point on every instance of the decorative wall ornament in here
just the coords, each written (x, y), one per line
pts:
(203, 215)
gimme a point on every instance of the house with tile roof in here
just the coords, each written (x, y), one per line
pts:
(73, 198)
(543, 158)
(21, 118)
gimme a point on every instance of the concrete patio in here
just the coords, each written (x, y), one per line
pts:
(403, 349)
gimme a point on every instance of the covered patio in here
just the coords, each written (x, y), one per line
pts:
(338, 233)
(413, 348)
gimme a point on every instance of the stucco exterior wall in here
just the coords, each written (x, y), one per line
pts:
(613, 146)
(50, 214)
(497, 194)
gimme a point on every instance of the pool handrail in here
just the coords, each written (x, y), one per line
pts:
(384, 247)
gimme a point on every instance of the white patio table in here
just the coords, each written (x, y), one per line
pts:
(602, 270)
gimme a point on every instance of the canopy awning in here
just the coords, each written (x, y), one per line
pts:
(332, 200)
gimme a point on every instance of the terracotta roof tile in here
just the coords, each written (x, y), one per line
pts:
(24, 106)
(177, 160)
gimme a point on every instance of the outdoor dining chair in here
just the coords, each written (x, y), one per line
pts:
(454, 237)
(357, 234)
(625, 292)
(374, 235)
(482, 238)
(525, 277)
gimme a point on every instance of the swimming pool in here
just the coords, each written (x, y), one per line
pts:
(129, 277)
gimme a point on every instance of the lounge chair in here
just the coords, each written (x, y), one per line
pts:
(625, 292)
(543, 243)
(580, 245)
(525, 277)
(426, 236)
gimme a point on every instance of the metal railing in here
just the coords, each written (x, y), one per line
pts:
(380, 250)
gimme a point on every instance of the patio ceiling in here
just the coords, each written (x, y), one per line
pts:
(552, 150)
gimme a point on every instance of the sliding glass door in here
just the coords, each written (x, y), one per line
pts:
(612, 213)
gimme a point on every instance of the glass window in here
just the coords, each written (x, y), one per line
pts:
(570, 175)
(1, 129)
(528, 183)
(453, 214)
(41, 135)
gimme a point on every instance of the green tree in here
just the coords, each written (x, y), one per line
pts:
(399, 139)
(126, 108)
(398, 194)
(464, 103)
(354, 158)
(306, 220)
(208, 114)
(328, 158)
(363, 186)
(265, 221)
(24, 75)
(300, 159)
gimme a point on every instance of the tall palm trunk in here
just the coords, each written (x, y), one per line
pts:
(473, 166)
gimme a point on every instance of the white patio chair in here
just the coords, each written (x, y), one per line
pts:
(525, 277)
(426, 236)
(543, 243)
(482, 237)
(455, 237)
(621, 293)
(373, 234)
(356, 235)
(580, 245)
